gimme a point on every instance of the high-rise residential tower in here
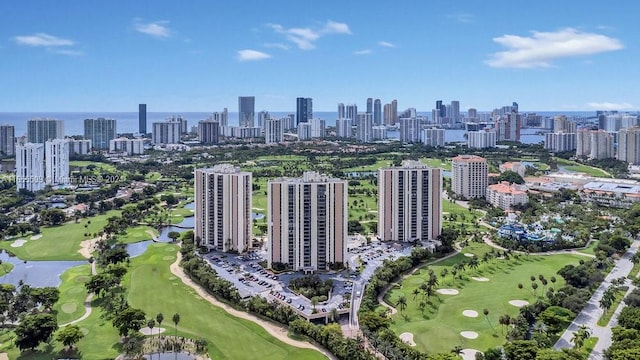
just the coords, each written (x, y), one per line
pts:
(377, 112)
(352, 113)
(223, 208)
(209, 132)
(307, 222)
(364, 130)
(57, 161)
(41, 130)
(30, 167)
(7, 140)
(166, 132)
(454, 113)
(469, 176)
(274, 131)
(342, 114)
(246, 110)
(409, 202)
(629, 145)
(394, 111)
(369, 106)
(410, 130)
(142, 118)
(433, 137)
(100, 131)
(304, 110)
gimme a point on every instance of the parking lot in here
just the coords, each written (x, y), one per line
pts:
(252, 279)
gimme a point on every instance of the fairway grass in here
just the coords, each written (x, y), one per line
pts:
(440, 328)
(586, 169)
(70, 306)
(153, 288)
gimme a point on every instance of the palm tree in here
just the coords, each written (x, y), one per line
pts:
(608, 297)
(534, 286)
(176, 320)
(520, 286)
(473, 263)
(314, 302)
(580, 336)
(486, 315)
(421, 306)
(415, 293)
(402, 303)
(159, 319)
(553, 281)
(504, 320)
(151, 323)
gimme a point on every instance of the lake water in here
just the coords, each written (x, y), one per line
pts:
(47, 273)
(169, 356)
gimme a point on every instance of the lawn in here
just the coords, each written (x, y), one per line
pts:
(154, 289)
(70, 306)
(5, 268)
(591, 249)
(444, 165)
(438, 330)
(59, 242)
(577, 167)
(98, 165)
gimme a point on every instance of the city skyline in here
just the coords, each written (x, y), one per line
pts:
(168, 56)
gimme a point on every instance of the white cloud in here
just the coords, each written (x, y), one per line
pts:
(305, 38)
(462, 18)
(362, 52)
(68, 52)
(276, 45)
(252, 55)
(158, 29)
(42, 39)
(332, 27)
(609, 106)
(540, 49)
(386, 44)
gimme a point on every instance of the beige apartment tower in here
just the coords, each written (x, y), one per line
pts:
(223, 208)
(469, 176)
(409, 202)
(307, 222)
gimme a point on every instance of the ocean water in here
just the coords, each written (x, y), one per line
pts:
(127, 122)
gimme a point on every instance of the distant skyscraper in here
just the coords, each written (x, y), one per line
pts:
(304, 110)
(352, 113)
(166, 132)
(409, 202)
(223, 208)
(344, 128)
(128, 146)
(387, 117)
(7, 140)
(629, 145)
(433, 137)
(508, 127)
(142, 118)
(601, 145)
(79, 147)
(472, 114)
(100, 131)
(394, 111)
(560, 141)
(307, 222)
(30, 167)
(377, 112)
(221, 117)
(369, 106)
(410, 130)
(455, 112)
(469, 176)
(246, 110)
(342, 114)
(364, 131)
(57, 161)
(263, 116)
(209, 132)
(481, 139)
(583, 143)
(41, 130)
(274, 131)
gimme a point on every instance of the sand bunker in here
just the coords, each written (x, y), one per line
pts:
(18, 243)
(36, 237)
(469, 354)
(407, 338)
(155, 330)
(87, 247)
(448, 291)
(480, 278)
(469, 255)
(518, 303)
(470, 313)
(469, 334)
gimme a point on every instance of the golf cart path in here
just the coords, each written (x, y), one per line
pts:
(87, 302)
(276, 331)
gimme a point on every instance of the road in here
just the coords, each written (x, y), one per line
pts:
(591, 313)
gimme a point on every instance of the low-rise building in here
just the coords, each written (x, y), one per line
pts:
(516, 166)
(505, 195)
(618, 193)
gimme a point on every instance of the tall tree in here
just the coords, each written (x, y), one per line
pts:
(34, 329)
(69, 335)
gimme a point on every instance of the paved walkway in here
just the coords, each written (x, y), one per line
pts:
(87, 302)
(591, 313)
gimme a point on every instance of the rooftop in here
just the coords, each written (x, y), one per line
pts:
(468, 158)
(505, 188)
(626, 187)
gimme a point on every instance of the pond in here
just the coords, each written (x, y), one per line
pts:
(36, 273)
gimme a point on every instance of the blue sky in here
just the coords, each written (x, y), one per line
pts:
(201, 55)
